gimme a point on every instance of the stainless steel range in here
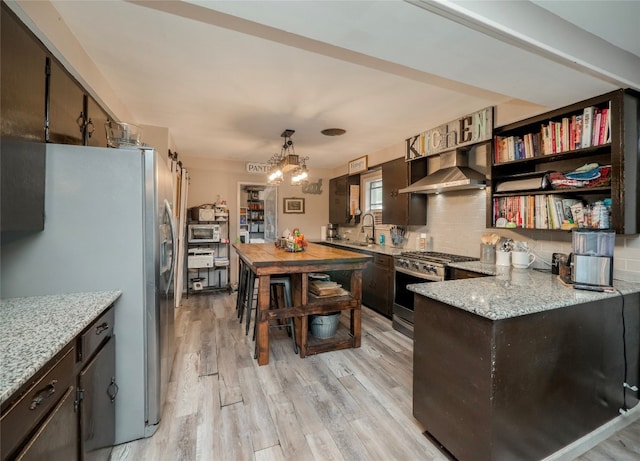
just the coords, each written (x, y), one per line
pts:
(417, 267)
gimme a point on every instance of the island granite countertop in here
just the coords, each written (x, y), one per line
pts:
(511, 292)
(34, 329)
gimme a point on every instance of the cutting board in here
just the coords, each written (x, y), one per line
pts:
(325, 288)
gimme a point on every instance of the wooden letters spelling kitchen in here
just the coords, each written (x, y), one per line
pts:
(470, 129)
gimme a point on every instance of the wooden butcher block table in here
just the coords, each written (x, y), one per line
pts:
(265, 260)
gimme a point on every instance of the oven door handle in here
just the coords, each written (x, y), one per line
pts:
(427, 278)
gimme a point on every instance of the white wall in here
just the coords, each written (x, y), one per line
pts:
(210, 179)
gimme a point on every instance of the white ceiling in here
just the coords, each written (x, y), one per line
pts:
(227, 77)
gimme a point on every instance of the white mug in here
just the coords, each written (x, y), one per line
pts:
(503, 258)
(522, 259)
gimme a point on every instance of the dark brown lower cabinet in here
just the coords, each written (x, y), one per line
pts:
(377, 284)
(459, 274)
(40, 422)
(98, 390)
(56, 439)
(377, 280)
(66, 411)
(521, 388)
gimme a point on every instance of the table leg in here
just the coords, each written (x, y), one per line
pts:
(356, 314)
(299, 288)
(304, 331)
(262, 338)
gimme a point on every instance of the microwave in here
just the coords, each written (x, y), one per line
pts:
(203, 233)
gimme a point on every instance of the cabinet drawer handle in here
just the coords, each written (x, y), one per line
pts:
(43, 395)
(102, 327)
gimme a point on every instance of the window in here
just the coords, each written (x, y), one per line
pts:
(374, 195)
(372, 185)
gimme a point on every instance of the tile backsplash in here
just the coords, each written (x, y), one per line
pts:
(457, 220)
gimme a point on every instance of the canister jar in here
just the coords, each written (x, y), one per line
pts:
(487, 253)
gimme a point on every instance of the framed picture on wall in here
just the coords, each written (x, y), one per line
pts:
(358, 165)
(294, 205)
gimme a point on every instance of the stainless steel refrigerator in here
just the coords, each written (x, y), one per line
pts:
(109, 225)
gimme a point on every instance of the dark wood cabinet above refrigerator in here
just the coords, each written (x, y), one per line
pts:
(40, 100)
(66, 114)
(22, 81)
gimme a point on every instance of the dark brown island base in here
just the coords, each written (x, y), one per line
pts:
(496, 378)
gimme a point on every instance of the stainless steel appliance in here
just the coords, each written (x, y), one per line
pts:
(203, 233)
(417, 267)
(592, 257)
(109, 226)
(332, 231)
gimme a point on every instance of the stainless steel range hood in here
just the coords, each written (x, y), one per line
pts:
(454, 174)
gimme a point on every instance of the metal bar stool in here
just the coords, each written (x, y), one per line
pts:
(248, 296)
(241, 286)
(283, 283)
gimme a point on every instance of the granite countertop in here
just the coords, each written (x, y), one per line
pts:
(511, 292)
(34, 329)
(373, 248)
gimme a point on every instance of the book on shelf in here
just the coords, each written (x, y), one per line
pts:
(572, 133)
(567, 203)
(577, 143)
(558, 137)
(546, 140)
(577, 212)
(539, 211)
(608, 129)
(587, 126)
(595, 133)
(511, 148)
(537, 182)
(552, 213)
(566, 134)
(604, 127)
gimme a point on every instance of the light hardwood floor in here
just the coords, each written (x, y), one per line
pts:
(346, 405)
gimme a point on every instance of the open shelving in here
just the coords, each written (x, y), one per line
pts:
(616, 145)
(209, 273)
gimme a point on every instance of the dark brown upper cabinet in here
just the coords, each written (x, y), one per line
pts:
(400, 208)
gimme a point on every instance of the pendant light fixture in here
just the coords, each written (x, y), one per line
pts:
(287, 161)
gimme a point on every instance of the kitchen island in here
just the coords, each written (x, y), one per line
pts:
(265, 260)
(517, 366)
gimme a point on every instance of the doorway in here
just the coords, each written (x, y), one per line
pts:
(257, 213)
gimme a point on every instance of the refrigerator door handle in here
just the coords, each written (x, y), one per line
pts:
(169, 215)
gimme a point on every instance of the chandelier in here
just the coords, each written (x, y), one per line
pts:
(287, 161)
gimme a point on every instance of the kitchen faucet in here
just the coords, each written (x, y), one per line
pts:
(371, 239)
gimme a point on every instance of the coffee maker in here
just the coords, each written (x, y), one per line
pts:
(332, 231)
(592, 257)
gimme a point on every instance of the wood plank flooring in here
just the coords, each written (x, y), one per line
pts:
(349, 405)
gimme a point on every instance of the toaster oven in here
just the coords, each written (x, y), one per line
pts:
(203, 233)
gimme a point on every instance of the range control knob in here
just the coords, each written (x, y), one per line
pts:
(431, 268)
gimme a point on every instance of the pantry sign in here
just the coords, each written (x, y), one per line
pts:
(258, 168)
(470, 129)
